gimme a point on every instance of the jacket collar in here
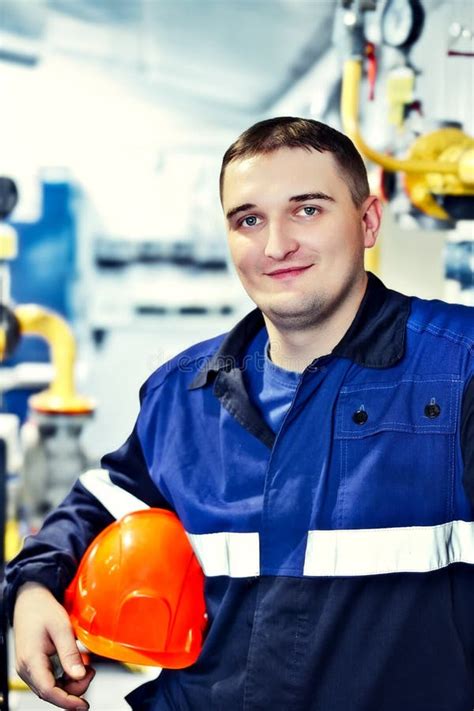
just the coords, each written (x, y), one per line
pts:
(375, 338)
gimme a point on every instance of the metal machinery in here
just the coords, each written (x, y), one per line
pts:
(37, 474)
(438, 167)
(52, 457)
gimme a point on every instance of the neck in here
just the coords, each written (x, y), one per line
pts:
(296, 349)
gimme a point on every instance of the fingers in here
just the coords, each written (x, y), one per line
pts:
(42, 629)
(63, 692)
(77, 688)
(37, 639)
(64, 642)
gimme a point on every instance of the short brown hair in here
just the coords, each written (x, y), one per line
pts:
(292, 132)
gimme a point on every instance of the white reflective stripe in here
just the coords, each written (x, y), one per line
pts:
(117, 501)
(225, 553)
(415, 549)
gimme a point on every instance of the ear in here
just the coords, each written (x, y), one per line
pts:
(371, 220)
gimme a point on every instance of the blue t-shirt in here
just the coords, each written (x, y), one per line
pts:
(270, 387)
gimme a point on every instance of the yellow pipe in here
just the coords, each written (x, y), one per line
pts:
(13, 539)
(372, 259)
(61, 396)
(38, 321)
(17, 684)
(350, 118)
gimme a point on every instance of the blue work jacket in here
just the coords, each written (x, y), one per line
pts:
(338, 551)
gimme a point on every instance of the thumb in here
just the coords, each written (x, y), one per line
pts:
(68, 654)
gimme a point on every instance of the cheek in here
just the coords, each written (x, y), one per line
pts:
(242, 254)
(342, 241)
(234, 251)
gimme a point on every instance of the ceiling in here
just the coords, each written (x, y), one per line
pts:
(220, 60)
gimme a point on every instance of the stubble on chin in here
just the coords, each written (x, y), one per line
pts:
(315, 311)
(296, 318)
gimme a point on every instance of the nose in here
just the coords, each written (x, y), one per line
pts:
(280, 243)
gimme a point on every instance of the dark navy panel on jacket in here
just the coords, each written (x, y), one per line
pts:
(386, 643)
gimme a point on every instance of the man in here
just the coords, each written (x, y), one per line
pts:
(316, 459)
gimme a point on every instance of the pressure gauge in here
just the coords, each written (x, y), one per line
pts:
(402, 22)
(8, 197)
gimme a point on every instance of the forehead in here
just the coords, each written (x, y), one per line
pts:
(282, 173)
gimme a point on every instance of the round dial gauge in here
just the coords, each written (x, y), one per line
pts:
(8, 197)
(402, 22)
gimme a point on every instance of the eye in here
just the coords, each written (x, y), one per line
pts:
(249, 221)
(309, 210)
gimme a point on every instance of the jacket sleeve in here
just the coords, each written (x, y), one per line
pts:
(467, 439)
(51, 556)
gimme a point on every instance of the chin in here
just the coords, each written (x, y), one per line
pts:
(290, 317)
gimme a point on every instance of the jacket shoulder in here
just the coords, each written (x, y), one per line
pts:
(188, 362)
(453, 322)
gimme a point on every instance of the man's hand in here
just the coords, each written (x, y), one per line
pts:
(42, 629)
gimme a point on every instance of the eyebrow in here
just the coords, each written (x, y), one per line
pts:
(240, 208)
(311, 196)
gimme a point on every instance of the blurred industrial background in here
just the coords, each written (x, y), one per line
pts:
(114, 118)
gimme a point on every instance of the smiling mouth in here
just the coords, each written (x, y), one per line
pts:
(289, 272)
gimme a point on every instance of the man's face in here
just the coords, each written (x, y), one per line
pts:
(295, 236)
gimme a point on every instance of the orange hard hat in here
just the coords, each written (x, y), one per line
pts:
(138, 594)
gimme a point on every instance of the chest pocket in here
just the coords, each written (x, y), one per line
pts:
(395, 452)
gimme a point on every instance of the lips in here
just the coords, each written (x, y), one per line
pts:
(289, 271)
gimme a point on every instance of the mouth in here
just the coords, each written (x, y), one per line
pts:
(288, 272)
